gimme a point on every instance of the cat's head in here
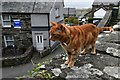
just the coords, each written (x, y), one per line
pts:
(58, 31)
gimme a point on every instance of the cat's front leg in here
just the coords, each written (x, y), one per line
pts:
(72, 60)
(93, 50)
(84, 51)
(68, 60)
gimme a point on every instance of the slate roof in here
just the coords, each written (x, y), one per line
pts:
(27, 7)
(105, 2)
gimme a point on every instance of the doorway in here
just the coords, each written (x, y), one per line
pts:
(39, 41)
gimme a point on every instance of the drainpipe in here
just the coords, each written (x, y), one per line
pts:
(49, 29)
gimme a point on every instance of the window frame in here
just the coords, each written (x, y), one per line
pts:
(5, 40)
(9, 20)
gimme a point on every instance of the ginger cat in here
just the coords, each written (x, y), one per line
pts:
(74, 39)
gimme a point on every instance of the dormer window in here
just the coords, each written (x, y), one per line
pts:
(57, 12)
(6, 21)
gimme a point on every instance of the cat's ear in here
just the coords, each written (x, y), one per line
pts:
(61, 27)
(53, 23)
(65, 29)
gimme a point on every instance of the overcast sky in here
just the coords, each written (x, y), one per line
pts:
(78, 3)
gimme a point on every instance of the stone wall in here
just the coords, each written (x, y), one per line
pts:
(17, 60)
(22, 36)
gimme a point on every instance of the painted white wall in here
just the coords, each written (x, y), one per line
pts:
(100, 13)
(39, 20)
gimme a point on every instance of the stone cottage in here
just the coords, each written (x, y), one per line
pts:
(110, 12)
(109, 8)
(28, 23)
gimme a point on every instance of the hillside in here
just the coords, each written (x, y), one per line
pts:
(81, 12)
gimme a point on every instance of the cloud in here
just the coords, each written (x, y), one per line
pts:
(78, 4)
(78, 0)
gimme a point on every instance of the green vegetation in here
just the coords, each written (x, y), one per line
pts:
(37, 73)
(71, 21)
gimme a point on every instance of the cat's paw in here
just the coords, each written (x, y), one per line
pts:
(83, 53)
(66, 62)
(93, 53)
(70, 65)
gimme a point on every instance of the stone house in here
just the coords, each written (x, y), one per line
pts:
(107, 10)
(110, 11)
(28, 23)
(106, 5)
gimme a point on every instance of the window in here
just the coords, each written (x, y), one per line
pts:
(9, 41)
(57, 12)
(6, 21)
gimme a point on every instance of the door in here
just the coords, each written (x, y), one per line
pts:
(39, 42)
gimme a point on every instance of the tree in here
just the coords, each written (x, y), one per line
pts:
(71, 21)
(75, 22)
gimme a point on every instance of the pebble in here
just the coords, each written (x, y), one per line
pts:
(63, 66)
(96, 71)
(56, 71)
(98, 42)
(113, 51)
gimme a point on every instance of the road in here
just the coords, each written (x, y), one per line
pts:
(22, 70)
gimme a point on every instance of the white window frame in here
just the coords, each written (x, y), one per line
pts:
(5, 40)
(9, 20)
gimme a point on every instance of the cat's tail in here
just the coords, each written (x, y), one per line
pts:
(105, 29)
